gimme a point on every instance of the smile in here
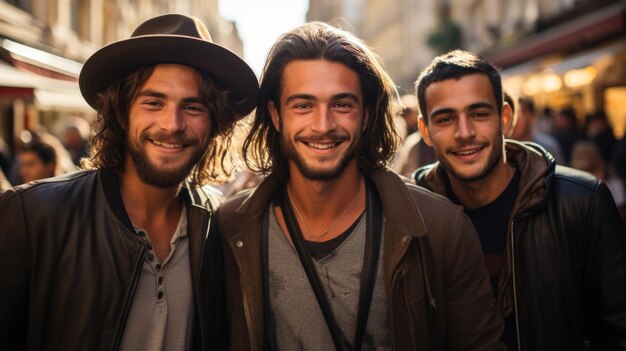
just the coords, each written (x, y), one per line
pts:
(167, 145)
(321, 146)
(468, 152)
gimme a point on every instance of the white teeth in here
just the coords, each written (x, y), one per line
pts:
(171, 146)
(467, 152)
(322, 146)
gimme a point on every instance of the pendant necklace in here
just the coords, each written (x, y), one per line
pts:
(333, 224)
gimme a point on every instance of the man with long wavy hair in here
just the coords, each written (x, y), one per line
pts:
(332, 250)
(119, 256)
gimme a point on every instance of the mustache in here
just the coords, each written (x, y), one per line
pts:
(471, 144)
(161, 136)
(332, 137)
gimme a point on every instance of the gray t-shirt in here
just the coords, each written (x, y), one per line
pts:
(161, 314)
(297, 322)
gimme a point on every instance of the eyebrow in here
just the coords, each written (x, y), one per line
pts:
(474, 106)
(310, 97)
(159, 95)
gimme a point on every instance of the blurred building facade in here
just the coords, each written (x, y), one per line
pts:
(558, 52)
(43, 44)
(395, 29)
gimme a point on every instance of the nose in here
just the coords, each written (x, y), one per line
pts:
(464, 128)
(324, 121)
(172, 120)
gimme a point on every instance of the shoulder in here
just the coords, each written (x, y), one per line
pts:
(56, 188)
(205, 196)
(230, 206)
(574, 181)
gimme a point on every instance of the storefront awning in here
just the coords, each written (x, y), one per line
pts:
(586, 31)
(47, 93)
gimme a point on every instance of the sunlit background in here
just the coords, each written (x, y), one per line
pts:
(556, 52)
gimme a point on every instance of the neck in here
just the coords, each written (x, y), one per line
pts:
(478, 193)
(328, 205)
(144, 202)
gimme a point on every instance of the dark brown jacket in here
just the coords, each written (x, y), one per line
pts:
(70, 262)
(438, 291)
(565, 264)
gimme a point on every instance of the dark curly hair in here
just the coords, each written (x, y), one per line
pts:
(108, 141)
(320, 41)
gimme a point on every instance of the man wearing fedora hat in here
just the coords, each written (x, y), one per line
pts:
(119, 256)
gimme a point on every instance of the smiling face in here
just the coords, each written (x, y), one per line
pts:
(169, 127)
(320, 118)
(464, 127)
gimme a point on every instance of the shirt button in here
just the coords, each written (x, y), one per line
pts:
(151, 257)
(160, 280)
(158, 267)
(141, 233)
(239, 243)
(160, 295)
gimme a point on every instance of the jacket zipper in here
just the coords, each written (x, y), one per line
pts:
(519, 342)
(117, 340)
(208, 227)
(246, 312)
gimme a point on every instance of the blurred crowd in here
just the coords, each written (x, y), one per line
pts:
(40, 153)
(590, 146)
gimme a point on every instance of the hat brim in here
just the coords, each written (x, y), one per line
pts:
(119, 59)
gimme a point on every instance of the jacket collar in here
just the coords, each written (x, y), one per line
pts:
(200, 201)
(536, 167)
(399, 208)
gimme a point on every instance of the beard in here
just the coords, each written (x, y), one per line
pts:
(311, 173)
(497, 155)
(162, 177)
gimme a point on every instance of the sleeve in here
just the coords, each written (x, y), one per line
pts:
(15, 271)
(472, 320)
(605, 273)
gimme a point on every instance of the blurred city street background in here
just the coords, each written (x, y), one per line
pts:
(567, 58)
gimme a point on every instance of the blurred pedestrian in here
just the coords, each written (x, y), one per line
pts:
(119, 257)
(598, 129)
(525, 130)
(566, 131)
(37, 160)
(304, 258)
(75, 137)
(551, 236)
(586, 156)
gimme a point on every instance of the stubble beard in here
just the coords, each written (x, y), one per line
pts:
(161, 178)
(497, 155)
(290, 152)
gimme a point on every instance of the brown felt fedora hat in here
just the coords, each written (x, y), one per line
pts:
(171, 38)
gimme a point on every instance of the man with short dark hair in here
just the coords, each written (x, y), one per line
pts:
(119, 257)
(37, 160)
(332, 250)
(551, 236)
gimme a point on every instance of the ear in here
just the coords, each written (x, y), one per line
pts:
(508, 120)
(274, 114)
(423, 127)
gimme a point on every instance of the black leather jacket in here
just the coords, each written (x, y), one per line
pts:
(565, 265)
(70, 262)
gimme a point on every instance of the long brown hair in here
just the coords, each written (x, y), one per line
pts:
(108, 141)
(320, 41)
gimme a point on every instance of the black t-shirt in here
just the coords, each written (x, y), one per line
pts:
(492, 224)
(319, 250)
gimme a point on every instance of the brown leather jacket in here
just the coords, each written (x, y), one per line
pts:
(439, 295)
